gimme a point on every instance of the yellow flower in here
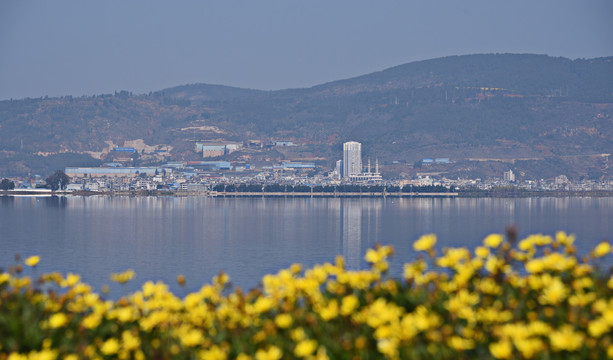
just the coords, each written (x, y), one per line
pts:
(501, 350)
(71, 280)
(378, 257)
(273, 353)
(414, 270)
(493, 264)
(4, 277)
(598, 327)
(582, 299)
(373, 256)
(558, 262)
(45, 354)
(110, 347)
(566, 339)
(526, 244)
(295, 268)
(535, 266)
(283, 321)
(216, 353)
(123, 277)
(263, 304)
(123, 314)
(298, 334)
(349, 303)
(564, 239)
(384, 332)
(453, 257)
(221, 279)
(529, 346)
(460, 344)
(493, 240)
(489, 286)
(91, 321)
(305, 348)
(388, 347)
(329, 311)
(129, 341)
(602, 249)
(32, 260)
(482, 252)
(527, 324)
(539, 328)
(17, 356)
(58, 320)
(425, 243)
(322, 354)
(554, 292)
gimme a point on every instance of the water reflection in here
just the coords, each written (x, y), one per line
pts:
(161, 237)
(351, 232)
(55, 201)
(7, 201)
(359, 228)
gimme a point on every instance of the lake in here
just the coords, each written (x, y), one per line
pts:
(161, 237)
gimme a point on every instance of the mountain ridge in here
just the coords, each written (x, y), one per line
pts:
(521, 106)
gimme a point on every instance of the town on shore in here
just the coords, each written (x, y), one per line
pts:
(350, 177)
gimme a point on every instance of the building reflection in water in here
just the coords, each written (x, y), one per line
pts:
(351, 232)
(359, 223)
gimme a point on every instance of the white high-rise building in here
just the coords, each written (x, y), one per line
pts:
(352, 159)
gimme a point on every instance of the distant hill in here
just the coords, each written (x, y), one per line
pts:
(539, 115)
(205, 92)
(521, 74)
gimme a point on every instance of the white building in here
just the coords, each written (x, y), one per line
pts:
(216, 149)
(352, 159)
(368, 176)
(561, 180)
(338, 170)
(509, 176)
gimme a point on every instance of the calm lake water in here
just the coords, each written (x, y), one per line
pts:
(161, 237)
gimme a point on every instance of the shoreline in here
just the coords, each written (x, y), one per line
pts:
(461, 194)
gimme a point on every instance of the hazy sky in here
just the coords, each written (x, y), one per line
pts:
(81, 47)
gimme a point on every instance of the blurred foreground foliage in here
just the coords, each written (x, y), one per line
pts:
(507, 299)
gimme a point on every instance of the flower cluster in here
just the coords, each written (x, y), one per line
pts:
(533, 299)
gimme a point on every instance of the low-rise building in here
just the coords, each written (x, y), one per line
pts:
(113, 171)
(217, 149)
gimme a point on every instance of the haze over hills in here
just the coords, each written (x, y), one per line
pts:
(540, 115)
